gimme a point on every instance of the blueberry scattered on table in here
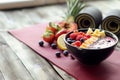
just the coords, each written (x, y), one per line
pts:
(54, 46)
(58, 54)
(41, 43)
(66, 52)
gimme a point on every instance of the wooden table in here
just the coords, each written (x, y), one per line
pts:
(19, 62)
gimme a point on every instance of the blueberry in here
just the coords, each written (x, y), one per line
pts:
(70, 40)
(65, 52)
(58, 54)
(108, 41)
(73, 41)
(41, 43)
(54, 46)
(82, 40)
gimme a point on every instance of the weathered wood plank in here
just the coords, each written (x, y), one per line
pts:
(11, 66)
(36, 65)
(1, 76)
(64, 74)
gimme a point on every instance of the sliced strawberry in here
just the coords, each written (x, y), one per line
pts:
(76, 43)
(79, 37)
(82, 33)
(62, 31)
(73, 35)
(85, 38)
(87, 35)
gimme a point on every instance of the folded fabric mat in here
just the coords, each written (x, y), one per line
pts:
(89, 17)
(109, 69)
(112, 22)
(92, 17)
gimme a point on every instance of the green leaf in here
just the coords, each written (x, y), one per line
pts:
(73, 8)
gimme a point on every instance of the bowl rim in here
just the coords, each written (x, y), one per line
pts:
(114, 36)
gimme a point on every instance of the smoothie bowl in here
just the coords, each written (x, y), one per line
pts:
(91, 46)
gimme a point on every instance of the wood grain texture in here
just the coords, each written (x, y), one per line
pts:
(10, 4)
(1, 76)
(37, 67)
(19, 62)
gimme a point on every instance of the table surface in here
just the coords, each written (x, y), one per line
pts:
(19, 62)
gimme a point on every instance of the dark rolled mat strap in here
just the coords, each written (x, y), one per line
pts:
(89, 17)
(112, 22)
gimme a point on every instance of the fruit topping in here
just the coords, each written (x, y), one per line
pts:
(85, 39)
(73, 35)
(79, 37)
(70, 40)
(90, 31)
(60, 32)
(76, 43)
(87, 35)
(82, 40)
(108, 41)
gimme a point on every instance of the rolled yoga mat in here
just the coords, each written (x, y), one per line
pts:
(89, 17)
(112, 22)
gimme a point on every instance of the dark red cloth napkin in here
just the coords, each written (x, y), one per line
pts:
(109, 69)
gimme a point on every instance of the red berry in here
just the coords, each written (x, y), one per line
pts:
(87, 35)
(85, 38)
(73, 35)
(62, 31)
(76, 43)
(79, 37)
(81, 33)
